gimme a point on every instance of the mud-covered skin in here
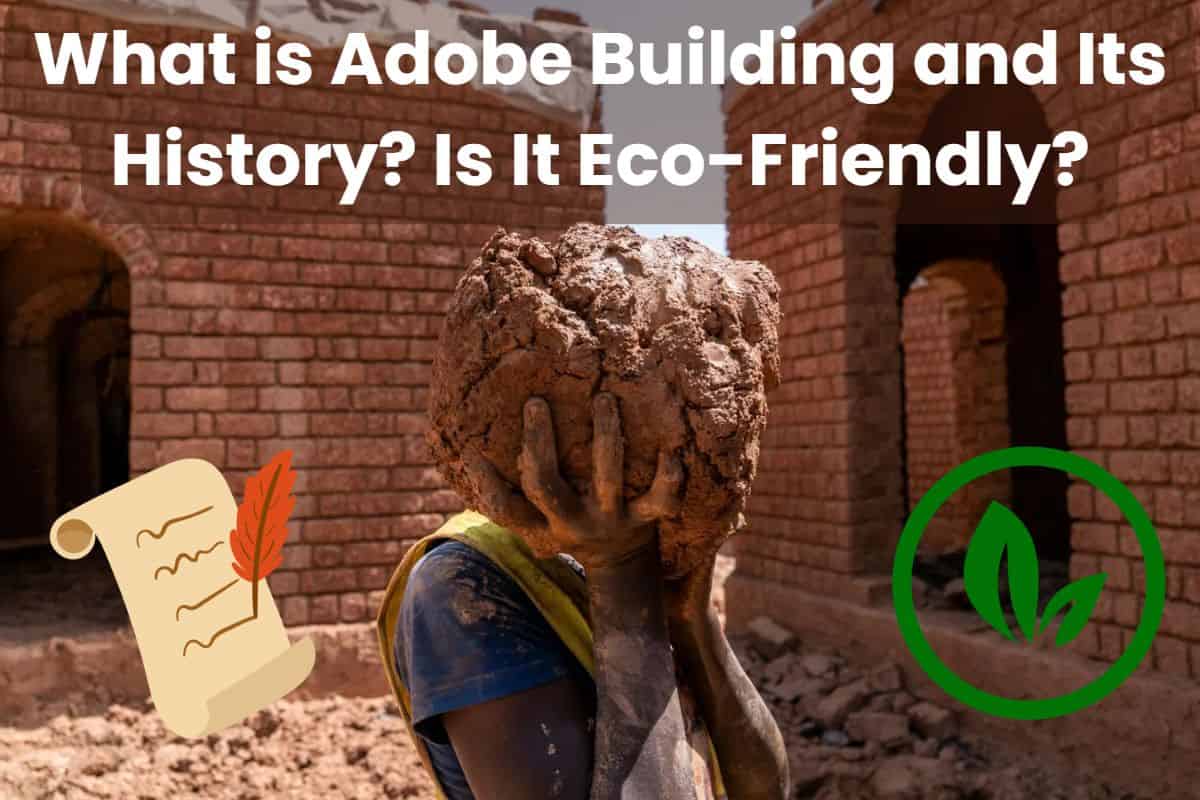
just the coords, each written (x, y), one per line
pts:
(641, 744)
(642, 748)
(685, 339)
(749, 745)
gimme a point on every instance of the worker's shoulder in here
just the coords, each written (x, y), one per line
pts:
(447, 560)
(448, 569)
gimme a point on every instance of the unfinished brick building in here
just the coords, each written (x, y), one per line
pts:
(911, 344)
(144, 325)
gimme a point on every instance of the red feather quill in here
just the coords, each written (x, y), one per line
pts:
(257, 541)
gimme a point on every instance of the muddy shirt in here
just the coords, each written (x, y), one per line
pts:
(468, 634)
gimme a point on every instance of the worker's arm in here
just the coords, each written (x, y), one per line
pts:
(640, 746)
(749, 746)
(495, 694)
(532, 745)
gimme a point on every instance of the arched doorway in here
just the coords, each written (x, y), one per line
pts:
(956, 390)
(64, 323)
(977, 253)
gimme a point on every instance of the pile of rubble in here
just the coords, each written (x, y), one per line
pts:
(938, 582)
(856, 733)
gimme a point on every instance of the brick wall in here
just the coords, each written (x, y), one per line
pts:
(265, 319)
(829, 506)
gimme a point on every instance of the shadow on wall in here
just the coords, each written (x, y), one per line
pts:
(64, 423)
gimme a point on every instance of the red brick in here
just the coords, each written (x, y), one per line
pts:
(162, 373)
(294, 610)
(383, 552)
(207, 449)
(1094, 538)
(329, 530)
(286, 348)
(248, 373)
(1082, 332)
(284, 582)
(245, 425)
(317, 581)
(163, 426)
(323, 609)
(353, 607)
(194, 398)
(1140, 467)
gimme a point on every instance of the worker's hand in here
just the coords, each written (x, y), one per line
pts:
(599, 529)
(689, 598)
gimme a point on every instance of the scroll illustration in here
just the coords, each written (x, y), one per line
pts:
(192, 567)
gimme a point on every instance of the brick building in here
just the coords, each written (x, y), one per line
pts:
(145, 325)
(911, 344)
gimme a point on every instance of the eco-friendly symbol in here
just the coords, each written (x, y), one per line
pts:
(1001, 538)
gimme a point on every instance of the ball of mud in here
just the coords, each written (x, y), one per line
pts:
(686, 339)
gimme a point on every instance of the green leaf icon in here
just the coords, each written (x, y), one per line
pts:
(1000, 535)
(1081, 596)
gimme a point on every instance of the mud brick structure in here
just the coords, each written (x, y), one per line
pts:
(145, 325)
(894, 368)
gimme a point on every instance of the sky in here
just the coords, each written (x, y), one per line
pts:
(712, 236)
(662, 116)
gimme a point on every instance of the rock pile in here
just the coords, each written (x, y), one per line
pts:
(855, 732)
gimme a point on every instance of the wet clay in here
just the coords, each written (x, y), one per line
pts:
(686, 339)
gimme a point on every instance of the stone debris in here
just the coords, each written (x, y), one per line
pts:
(886, 678)
(778, 668)
(854, 732)
(794, 688)
(770, 636)
(933, 722)
(938, 582)
(818, 664)
(887, 729)
(833, 710)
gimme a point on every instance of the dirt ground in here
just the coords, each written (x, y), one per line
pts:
(330, 748)
(853, 733)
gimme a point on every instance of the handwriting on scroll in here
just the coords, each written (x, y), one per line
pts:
(257, 541)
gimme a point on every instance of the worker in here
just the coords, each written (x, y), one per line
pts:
(522, 680)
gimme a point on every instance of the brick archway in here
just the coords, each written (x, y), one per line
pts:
(87, 210)
(67, 194)
(75, 261)
(955, 390)
(870, 222)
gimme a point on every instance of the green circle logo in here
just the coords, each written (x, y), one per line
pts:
(1002, 535)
